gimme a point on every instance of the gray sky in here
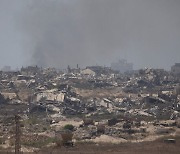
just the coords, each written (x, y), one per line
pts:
(89, 32)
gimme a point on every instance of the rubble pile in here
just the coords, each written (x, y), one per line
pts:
(129, 106)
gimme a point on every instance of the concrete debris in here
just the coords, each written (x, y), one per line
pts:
(122, 107)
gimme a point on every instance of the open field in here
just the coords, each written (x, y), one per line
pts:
(127, 148)
(156, 147)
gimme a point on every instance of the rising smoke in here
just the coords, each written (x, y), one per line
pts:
(90, 32)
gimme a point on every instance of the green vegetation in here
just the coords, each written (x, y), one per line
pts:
(39, 143)
(69, 127)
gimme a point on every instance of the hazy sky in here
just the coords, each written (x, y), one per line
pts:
(89, 32)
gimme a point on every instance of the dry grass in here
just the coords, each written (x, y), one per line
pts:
(156, 147)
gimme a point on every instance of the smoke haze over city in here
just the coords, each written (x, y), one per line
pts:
(58, 33)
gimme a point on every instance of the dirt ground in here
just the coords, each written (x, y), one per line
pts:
(156, 147)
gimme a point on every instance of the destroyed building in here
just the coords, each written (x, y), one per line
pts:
(100, 69)
(116, 105)
(30, 70)
(122, 66)
(175, 69)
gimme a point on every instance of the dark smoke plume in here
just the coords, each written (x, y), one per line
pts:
(89, 32)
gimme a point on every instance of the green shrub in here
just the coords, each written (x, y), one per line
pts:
(69, 127)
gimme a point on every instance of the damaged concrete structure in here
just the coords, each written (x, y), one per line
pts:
(96, 101)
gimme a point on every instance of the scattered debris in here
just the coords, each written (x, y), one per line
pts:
(95, 104)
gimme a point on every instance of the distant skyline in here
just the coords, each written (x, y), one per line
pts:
(58, 33)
